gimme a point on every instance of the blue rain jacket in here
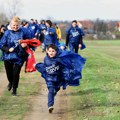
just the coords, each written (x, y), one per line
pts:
(50, 37)
(42, 27)
(69, 72)
(10, 39)
(33, 28)
(74, 34)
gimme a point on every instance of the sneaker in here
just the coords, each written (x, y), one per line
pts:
(9, 86)
(50, 109)
(14, 93)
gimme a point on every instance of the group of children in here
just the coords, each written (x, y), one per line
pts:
(61, 67)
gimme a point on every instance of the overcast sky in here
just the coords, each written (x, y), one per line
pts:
(70, 9)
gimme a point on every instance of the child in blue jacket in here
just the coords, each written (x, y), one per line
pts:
(50, 36)
(74, 37)
(60, 68)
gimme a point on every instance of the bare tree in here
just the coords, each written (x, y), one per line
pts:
(12, 7)
(3, 17)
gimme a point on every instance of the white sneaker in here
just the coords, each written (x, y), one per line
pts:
(50, 109)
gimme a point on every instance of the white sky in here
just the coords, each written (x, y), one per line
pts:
(70, 9)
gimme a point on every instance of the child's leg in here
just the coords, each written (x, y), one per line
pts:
(76, 47)
(56, 90)
(51, 96)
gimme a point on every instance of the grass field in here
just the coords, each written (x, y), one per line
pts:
(98, 97)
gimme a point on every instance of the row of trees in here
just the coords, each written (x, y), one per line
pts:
(94, 29)
(8, 9)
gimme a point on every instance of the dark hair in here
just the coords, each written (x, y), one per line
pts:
(74, 21)
(53, 46)
(32, 19)
(2, 26)
(42, 21)
(49, 22)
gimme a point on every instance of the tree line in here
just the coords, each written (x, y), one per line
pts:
(94, 29)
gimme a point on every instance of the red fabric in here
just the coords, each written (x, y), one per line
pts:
(32, 42)
(30, 63)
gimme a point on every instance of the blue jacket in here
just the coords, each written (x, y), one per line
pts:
(42, 27)
(66, 69)
(33, 29)
(10, 39)
(50, 37)
(74, 34)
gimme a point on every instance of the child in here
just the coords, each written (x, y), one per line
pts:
(62, 46)
(74, 37)
(50, 36)
(60, 68)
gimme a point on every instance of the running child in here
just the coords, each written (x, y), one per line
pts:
(60, 68)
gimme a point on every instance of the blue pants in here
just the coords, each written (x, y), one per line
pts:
(51, 94)
(74, 47)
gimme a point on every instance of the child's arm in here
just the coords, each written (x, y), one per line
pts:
(40, 67)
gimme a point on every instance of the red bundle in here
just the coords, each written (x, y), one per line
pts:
(31, 42)
(30, 63)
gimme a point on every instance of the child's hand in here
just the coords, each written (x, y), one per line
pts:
(44, 31)
(80, 46)
(34, 65)
(11, 49)
(24, 45)
(19, 41)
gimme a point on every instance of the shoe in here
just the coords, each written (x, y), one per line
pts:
(14, 93)
(43, 51)
(50, 109)
(9, 86)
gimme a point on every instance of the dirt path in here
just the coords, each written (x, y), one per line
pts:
(39, 109)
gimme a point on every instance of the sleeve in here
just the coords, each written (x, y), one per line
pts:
(67, 37)
(81, 36)
(41, 68)
(80, 39)
(81, 32)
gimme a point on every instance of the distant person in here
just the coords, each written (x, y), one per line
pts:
(62, 46)
(50, 36)
(42, 27)
(58, 31)
(74, 37)
(14, 54)
(60, 68)
(33, 28)
(2, 30)
(6, 26)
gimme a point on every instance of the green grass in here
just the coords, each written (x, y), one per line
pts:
(98, 96)
(15, 108)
